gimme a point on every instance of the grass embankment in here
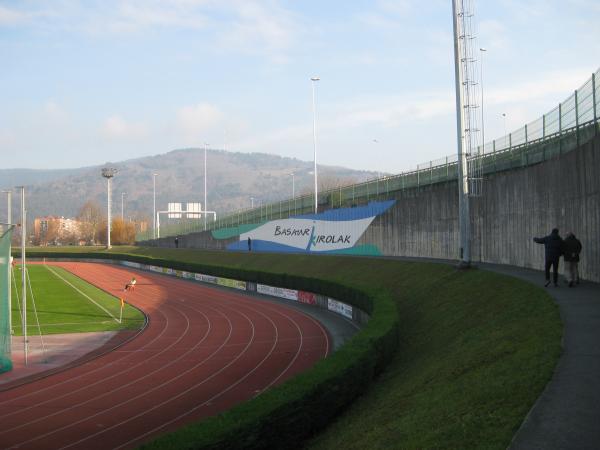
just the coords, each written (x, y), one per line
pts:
(475, 351)
(67, 304)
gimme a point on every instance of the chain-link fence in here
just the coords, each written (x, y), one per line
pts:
(562, 129)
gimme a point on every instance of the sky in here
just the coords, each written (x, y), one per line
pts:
(88, 82)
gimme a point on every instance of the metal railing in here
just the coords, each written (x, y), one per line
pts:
(560, 130)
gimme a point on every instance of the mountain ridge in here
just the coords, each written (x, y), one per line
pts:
(234, 178)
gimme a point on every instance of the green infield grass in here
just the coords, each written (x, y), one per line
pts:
(67, 304)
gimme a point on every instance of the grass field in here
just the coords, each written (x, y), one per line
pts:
(476, 350)
(67, 304)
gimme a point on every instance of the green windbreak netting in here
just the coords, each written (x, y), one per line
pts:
(5, 360)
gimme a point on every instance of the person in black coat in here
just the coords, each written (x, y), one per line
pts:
(553, 250)
(571, 248)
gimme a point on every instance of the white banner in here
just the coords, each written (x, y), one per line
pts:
(205, 278)
(274, 291)
(339, 308)
(312, 235)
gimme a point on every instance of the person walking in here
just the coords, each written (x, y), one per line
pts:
(249, 244)
(553, 250)
(571, 248)
(176, 241)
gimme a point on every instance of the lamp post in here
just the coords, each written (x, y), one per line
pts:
(9, 266)
(504, 121)
(205, 196)
(293, 185)
(314, 80)
(252, 202)
(122, 209)
(482, 50)
(108, 173)
(24, 274)
(154, 204)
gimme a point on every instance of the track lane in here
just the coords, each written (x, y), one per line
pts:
(205, 370)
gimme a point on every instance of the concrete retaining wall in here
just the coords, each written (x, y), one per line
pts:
(517, 205)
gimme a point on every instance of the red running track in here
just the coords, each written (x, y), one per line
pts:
(204, 350)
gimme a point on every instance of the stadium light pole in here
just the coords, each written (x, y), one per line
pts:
(154, 204)
(122, 208)
(314, 80)
(23, 273)
(482, 51)
(293, 185)
(205, 196)
(463, 187)
(108, 173)
(9, 265)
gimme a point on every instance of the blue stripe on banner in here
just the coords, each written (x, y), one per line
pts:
(344, 214)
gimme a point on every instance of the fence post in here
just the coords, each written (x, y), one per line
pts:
(594, 100)
(543, 126)
(560, 128)
(576, 119)
(430, 172)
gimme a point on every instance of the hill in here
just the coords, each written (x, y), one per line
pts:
(233, 178)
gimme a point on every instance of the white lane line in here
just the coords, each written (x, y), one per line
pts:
(82, 293)
(156, 406)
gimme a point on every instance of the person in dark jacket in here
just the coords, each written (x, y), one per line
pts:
(553, 250)
(571, 248)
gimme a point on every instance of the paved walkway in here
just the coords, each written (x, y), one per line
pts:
(567, 414)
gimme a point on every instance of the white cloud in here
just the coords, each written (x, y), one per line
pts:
(256, 29)
(197, 119)
(12, 17)
(115, 127)
(552, 86)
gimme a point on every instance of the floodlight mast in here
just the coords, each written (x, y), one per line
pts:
(463, 188)
(108, 173)
(205, 196)
(313, 81)
(23, 274)
(9, 220)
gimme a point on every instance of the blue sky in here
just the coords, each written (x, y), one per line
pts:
(86, 82)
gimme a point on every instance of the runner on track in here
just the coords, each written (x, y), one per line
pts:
(131, 285)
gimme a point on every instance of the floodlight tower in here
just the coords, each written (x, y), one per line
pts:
(467, 131)
(205, 196)
(24, 274)
(108, 173)
(314, 80)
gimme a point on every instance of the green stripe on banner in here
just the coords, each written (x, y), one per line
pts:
(363, 250)
(226, 233)
(5, 359)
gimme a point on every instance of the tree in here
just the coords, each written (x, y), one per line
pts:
(122, 232)
(91, 216)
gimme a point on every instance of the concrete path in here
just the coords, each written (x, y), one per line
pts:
(59, 350)
(567, 414)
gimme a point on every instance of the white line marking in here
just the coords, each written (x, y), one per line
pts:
(82, 293)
